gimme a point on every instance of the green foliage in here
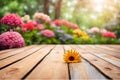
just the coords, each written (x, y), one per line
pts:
(117, 31)
(12, 7)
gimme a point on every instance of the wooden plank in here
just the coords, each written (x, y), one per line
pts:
(5, 51)
(84, 71)
(116, 54)
(52, 67)
(77, 70)
(18, 57)
(106, 68)
(93, 47)
(108, 59)
(18, 70)
(107, 48)
(92, 72)
(14, 52)
(103, 56)
(117, 47)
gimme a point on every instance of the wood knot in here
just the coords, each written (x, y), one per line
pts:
(13, 70)
(107, 68)
(94, 59)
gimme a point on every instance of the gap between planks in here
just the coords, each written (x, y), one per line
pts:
(111, 59)
(105, 67)
(52, 67)
(15, 52)
(81, 70)
(18, 57)
(20, 69)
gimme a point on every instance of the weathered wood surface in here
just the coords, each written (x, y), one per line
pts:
(45, 62)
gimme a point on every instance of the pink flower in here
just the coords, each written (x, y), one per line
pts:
(94, 30)
(48, 33)
(103, 30)
(11, 39)
(40, 26)
(29, 26)
(12, 20)
(40, 17)
(35, 23)
(109, 34)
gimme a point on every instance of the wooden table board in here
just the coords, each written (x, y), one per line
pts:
(45, 62)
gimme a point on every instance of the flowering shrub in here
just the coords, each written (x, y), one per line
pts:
(12, 20)
(103, 36)
(109, 34)
(102, 32)
(11, 39)
(42, 30)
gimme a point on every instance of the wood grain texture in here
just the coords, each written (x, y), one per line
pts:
(92, 72)
(5, 51)
(105, 67)
(20, 69)
(45, 62)
(77, 70)
(113, 49)
(113, 53)
(14, 52)
(108, 69)
(18, 56)
(52, 67)
(102, 55)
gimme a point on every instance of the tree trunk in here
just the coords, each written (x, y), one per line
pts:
(46, 7)
(58, 9)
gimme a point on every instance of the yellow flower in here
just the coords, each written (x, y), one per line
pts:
(75, 35)
(83, 33)
(72, 56)
(85, 37)
(78, 32)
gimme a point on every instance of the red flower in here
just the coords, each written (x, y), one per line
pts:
(109, 34)
(12, 20)
(75, 26)
(29, 26)
(66, 23)
(58, 22)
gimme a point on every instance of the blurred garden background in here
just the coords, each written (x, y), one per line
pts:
(61, 21)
